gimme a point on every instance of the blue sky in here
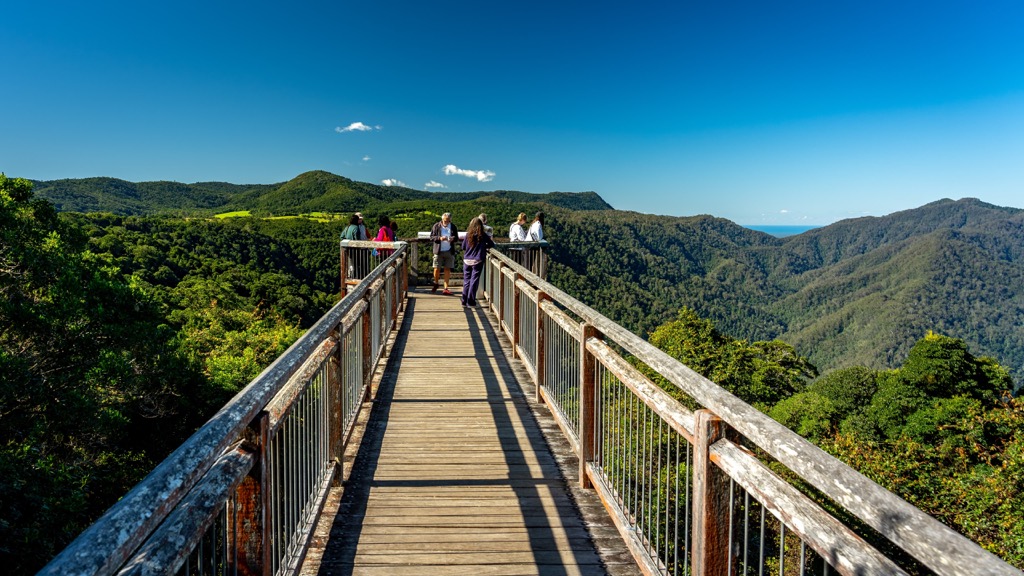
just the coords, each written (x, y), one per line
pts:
(786, 112)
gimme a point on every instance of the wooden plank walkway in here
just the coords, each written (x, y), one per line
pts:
(454, 474)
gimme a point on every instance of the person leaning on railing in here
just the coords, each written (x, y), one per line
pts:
(517, 231)
(536, 232)
(354, 231)
(384, 234)
(474, 252)
(487, 229)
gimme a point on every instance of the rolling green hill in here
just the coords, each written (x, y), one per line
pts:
(315, 191)
(130, 198)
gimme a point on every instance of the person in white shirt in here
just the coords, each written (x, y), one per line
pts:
(444, 236)
(517, 232)
(536, 233)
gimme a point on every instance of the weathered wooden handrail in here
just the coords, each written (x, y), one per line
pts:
(179, 499)
(926, 539)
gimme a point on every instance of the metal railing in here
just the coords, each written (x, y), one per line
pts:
(242, 495)
(692, 491)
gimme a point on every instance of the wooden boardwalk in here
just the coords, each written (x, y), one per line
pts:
(454, 474)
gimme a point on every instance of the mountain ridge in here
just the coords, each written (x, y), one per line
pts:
(313, 191)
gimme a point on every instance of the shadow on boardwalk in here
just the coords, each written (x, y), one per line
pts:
(454, 474)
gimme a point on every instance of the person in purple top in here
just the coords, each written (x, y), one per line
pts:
(474, 251)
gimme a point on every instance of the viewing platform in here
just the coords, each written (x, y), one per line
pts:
(455, 473)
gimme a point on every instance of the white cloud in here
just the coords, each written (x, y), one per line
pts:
(783, 211)
(366, 158)
(480, 175)
(433, 184)
(393, 182)
(356, 127)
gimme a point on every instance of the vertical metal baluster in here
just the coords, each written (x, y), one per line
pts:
(282, 491)
(645, 478)
(638, 471)
(620, 459)
(301, 468)
(732, 516)
(202, 558)
(572, 389)
(599, 379)
(803, 557)
(560, 377)
(746, 531)
(648, 439)
(309, 457)
(760, 568)
(293, 449)
(318, 446)
(229, 523)
(567, 360)
(275, 497)
(286, 489)
(601, 375)
(638, 456)
(673, 518)
(782, 548)
(687, 487)
(271, 497)
(635, 457)
(328, 401)
(667, 497)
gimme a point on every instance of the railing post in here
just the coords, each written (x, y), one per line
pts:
(542, 263)
(403, 284)
(412, 268)
(249, 527)
(367, 341)
(516, 296)
(344, 268)
(540, 360)
(501, 298)
(588, 396)
(395, 289)
(336, 391)
(710, 500)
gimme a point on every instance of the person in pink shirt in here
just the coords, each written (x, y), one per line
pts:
(385, 234)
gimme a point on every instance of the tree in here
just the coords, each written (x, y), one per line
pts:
(761, 373)
(87, 376)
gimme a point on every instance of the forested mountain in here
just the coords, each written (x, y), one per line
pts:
(315, 191)
(123, 197)
(858, 292)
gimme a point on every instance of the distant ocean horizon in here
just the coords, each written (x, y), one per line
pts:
(780, 231)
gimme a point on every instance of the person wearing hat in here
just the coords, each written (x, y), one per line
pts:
(362, 227)
(445, 237)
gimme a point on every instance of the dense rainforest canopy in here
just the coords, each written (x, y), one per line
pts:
(121, 332)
